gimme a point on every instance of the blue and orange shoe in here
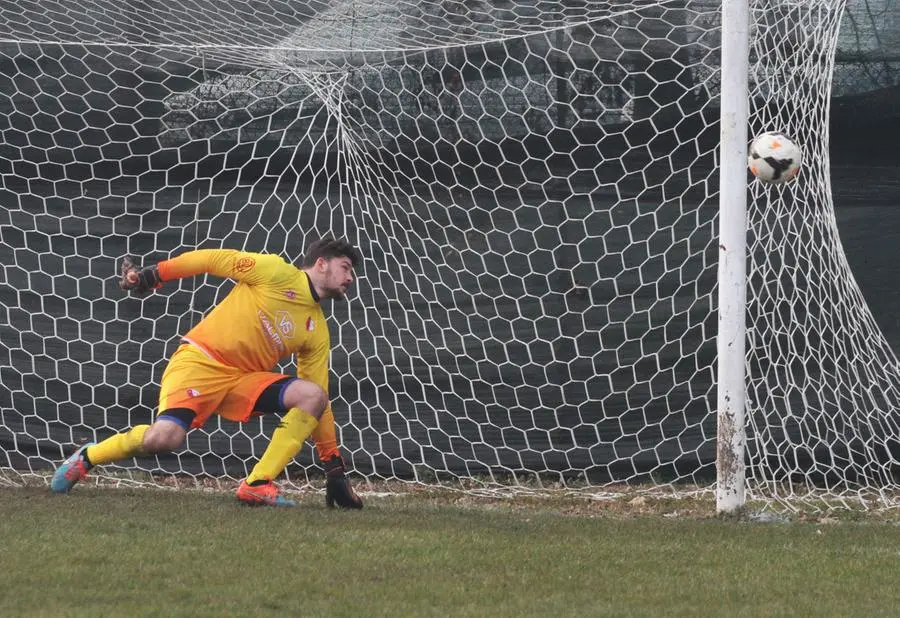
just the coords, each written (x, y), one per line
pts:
(262, 494)
(70, 471)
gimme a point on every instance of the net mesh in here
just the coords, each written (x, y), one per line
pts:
(534, 188)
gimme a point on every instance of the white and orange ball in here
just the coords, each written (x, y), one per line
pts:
(774, 158)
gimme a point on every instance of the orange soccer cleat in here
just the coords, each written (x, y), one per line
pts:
(262, 494)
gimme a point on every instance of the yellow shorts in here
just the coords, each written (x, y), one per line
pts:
(195, 381)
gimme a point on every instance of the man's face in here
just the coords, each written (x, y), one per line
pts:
(337, 276)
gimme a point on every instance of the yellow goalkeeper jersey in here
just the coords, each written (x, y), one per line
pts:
(273, 312)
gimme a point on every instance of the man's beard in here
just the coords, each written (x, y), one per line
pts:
(337, 294)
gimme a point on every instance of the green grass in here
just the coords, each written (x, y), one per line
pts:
(106, 552)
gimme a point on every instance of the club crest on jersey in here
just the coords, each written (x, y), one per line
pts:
(291, 294)
(193, 392)
(310, 325)
(244, 264)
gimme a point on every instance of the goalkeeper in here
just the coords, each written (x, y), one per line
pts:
(224, 363)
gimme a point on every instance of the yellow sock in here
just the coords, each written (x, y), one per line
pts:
(119, 446)
(287, 440)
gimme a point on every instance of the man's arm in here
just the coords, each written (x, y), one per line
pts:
(252, 268)
(338, 491)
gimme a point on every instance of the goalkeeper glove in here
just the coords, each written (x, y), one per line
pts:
(139, 281)
(337, 486)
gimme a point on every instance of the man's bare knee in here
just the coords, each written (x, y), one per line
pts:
(307, 396)
(163, 436)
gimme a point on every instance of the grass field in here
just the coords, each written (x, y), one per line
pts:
(135, 552)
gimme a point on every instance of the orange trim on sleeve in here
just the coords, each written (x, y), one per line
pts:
(185, 265)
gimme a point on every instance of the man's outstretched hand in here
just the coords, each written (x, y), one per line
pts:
(338, 491)
(139, 281)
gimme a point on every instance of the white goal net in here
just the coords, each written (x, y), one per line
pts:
(533, 185)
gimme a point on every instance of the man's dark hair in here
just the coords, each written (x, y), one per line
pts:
(329, 248)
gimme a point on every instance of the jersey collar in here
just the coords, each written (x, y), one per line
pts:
(312, 288)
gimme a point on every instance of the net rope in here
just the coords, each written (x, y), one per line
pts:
(534, 188)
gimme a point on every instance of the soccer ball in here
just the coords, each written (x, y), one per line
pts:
(774, 158)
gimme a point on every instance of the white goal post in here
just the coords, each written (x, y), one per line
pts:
(550, 297)
(732, 276)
